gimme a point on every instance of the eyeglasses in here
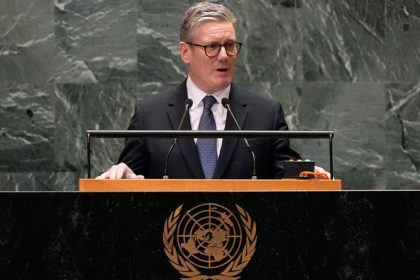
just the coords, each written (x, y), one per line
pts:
(212, 50)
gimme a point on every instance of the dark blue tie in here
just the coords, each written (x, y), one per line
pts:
(207, 147)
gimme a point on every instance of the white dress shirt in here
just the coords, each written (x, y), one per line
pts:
(219, 112)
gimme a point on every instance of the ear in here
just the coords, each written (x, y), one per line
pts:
(185, 52)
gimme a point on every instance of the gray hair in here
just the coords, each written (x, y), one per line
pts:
(202, 12)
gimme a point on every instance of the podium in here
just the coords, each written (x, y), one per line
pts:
(205, 185)
(103, 232)
(209, 229)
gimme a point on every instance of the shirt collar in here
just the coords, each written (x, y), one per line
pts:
(197, 95)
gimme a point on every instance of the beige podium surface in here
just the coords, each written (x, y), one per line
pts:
(197, 185)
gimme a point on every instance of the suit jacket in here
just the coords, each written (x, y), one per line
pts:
(163, 111)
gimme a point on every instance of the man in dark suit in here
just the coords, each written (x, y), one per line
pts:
(209, 48)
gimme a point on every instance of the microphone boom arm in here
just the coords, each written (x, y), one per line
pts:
(225, 103)
(188, 104)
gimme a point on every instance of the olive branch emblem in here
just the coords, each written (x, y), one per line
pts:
(189, 271)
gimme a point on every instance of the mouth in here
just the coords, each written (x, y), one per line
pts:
(222, 69)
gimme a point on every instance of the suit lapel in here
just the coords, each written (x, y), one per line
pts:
(229, 145)
(176, 107)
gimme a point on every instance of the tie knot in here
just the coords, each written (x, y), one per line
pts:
(208, 101)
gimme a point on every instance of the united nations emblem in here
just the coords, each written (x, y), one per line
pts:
(209, 242)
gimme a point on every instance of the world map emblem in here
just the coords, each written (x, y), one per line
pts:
(209, 241)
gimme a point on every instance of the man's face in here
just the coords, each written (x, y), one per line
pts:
(210, 74)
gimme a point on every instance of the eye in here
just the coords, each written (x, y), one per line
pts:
(231, 46)
(212, 47)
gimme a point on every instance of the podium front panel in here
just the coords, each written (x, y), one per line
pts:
(287, 235)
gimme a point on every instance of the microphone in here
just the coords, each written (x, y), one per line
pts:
(226, 104)
(188, 104)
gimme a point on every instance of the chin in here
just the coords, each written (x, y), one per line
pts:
(223, 83)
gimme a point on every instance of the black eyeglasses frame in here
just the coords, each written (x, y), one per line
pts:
(205, 47)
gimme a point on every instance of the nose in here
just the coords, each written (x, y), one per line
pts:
(222, 52)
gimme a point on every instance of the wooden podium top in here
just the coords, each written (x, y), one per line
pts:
(195, 185)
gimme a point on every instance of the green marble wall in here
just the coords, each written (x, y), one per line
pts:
(350, 66)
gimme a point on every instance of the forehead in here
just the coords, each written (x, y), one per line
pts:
(214, 30)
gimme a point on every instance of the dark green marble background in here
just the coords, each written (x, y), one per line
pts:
(351, 66)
